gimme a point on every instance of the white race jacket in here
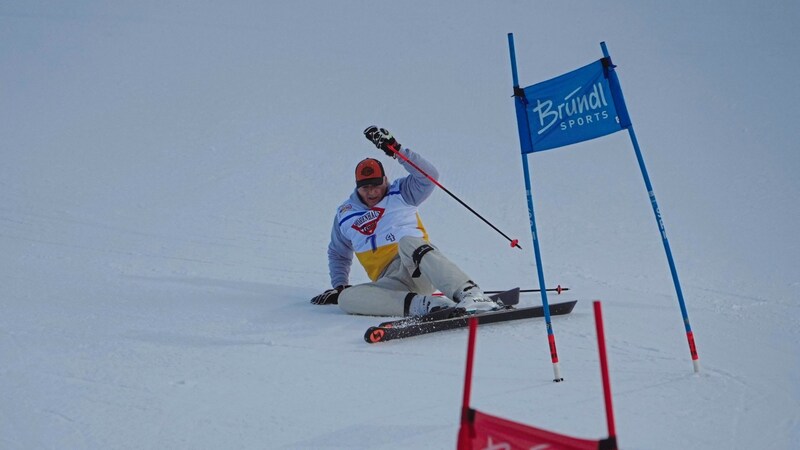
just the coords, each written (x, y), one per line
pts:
(373, 233)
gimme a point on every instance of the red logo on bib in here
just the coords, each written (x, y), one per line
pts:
(367, 223)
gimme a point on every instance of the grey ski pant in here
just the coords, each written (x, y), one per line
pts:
(419, 268)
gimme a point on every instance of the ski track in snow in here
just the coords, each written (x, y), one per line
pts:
(94, 366)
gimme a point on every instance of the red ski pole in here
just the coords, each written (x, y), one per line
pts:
(514, 242)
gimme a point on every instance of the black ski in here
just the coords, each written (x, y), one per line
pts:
(404, 328)
(509, 298)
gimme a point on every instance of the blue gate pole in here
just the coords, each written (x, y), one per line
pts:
(526, 146)
(662, 230)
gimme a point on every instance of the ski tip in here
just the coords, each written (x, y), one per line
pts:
(509, 297)
(374, 334)
(558, 309)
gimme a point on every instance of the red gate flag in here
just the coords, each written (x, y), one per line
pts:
(481, 431)
(484, 431)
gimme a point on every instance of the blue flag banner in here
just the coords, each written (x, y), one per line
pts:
(580, 105)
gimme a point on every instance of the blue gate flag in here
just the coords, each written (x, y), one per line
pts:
(580, 105)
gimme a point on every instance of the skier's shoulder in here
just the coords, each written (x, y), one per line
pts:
(394, 186)
(350, 206)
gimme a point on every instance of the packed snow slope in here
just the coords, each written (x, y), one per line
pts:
(170, 171)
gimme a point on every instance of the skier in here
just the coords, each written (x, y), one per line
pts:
(381, 225)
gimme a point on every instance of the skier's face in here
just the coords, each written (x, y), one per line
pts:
(371, 195)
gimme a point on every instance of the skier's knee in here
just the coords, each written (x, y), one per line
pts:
(419, 252)
(409, 244)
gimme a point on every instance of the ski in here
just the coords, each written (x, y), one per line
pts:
(509, 298)
(400, 329)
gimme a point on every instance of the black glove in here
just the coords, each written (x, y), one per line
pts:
(329, 297)
(382, 139)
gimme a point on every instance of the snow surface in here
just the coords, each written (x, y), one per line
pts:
(170, 170)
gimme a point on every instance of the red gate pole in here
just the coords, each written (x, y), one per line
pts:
(466, 432)
(601, 345)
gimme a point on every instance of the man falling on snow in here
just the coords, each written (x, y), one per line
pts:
(381, 225)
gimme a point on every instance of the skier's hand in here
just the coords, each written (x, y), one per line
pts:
(383, 139)
(329, 297)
